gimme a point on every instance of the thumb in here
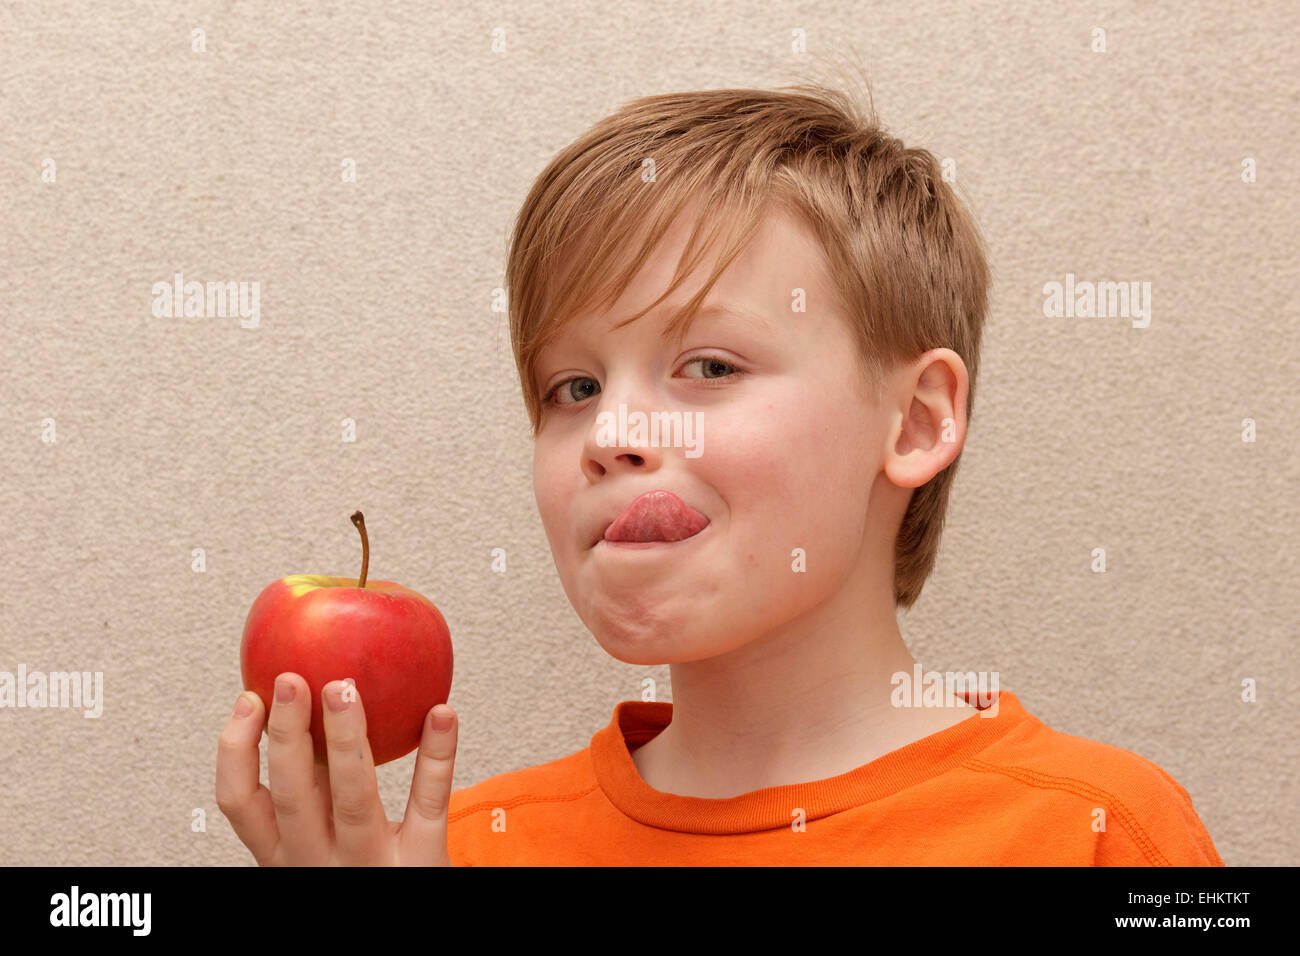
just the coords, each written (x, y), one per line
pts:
(424, 827)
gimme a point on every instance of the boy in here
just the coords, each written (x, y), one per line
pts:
(819, 350)
(833, 386)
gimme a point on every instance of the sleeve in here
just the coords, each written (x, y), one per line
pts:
(1156, 825)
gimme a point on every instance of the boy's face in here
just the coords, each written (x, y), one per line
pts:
(789, 453)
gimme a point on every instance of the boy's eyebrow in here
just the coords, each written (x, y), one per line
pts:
(725, 310)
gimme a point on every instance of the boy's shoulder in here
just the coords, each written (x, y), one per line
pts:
(479, 817)
(562, 778)
(1119, 790)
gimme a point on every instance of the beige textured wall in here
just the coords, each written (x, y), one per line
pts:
(176, 434)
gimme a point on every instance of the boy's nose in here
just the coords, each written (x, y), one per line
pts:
(599, 460)
(614, 443)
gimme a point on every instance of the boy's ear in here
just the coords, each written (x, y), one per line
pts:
(929, 421)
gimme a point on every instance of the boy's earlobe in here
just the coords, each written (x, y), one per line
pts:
(932, 431)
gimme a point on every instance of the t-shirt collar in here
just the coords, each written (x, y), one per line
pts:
(635, 722)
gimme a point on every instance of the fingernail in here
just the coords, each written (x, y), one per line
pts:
(284, 691)
(334, 698)
(442, 719)
(242, 707)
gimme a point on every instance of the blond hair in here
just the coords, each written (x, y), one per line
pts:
(905, 258)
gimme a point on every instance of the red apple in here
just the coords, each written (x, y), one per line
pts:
(391, 641)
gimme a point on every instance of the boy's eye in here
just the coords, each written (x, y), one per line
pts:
(579, 389)
(711, 364)
(566, 388)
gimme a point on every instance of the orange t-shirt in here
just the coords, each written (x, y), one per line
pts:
(1004, 790)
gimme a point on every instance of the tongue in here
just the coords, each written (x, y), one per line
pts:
(656, 516)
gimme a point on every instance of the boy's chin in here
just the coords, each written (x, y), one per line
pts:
(641, 660)
(634, 649)
(651, 650)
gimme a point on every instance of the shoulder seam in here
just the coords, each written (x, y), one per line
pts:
(1081, 788)
(518, 801)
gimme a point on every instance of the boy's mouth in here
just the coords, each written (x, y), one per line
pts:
(656, 516)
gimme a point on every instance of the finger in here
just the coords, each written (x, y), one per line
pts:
(244, 801)
(323, 787)
(424, 828)
(300, 810)
(361, 829)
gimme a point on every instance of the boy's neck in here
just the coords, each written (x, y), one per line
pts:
(790, 708)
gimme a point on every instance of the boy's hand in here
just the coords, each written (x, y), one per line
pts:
(318, 814)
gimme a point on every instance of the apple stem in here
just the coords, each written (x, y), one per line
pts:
(359, 520)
